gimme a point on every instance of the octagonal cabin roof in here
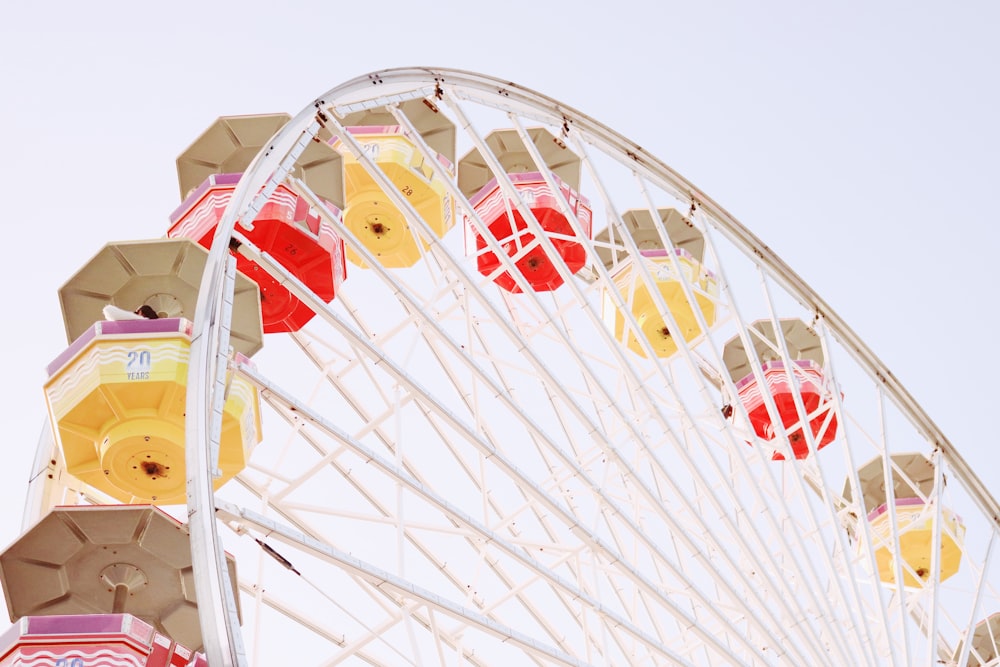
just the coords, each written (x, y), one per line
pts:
(230, 144)
(640, 226)
(436, 129)
(801, 340)
(513, 155)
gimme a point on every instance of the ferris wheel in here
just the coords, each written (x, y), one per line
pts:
(443, 371)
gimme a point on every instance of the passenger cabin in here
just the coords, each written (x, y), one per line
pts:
(785, 380)
(914, 513)
(116, 400)
(370, 214)
(287, 227)
(503, 215)
(667, 272)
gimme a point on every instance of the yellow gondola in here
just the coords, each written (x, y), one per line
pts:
(666, 275)
(913, 485)
(116, 400)
(370, 214)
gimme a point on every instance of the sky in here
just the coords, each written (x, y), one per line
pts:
(859, 140)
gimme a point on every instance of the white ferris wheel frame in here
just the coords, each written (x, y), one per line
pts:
(209, 348)
(270, 167)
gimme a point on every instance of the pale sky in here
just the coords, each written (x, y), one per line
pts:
(859, 140)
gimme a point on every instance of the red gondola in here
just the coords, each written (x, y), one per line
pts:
(507, 225)
(513, 235)
(808, 376)
(288, 230)
(800, 376)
